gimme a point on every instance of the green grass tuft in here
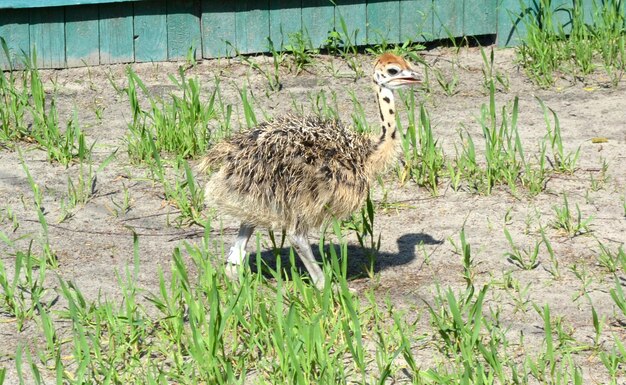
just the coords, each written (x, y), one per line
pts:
(585, 40)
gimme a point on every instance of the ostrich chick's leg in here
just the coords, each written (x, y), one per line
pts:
(300, 242)
(237, 252)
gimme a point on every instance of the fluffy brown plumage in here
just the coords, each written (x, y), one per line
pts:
(290, 173)
(293, 173)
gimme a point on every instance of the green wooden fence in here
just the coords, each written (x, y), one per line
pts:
(68, 33)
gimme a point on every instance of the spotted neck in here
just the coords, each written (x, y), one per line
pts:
(385, 145)
(387, 110)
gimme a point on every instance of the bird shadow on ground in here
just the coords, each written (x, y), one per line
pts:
(359, 258)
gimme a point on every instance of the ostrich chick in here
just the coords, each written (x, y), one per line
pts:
(294, 173)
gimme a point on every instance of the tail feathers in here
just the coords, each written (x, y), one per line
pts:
(205, 165)
(214, 158)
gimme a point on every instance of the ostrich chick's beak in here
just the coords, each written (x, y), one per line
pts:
(404, 79)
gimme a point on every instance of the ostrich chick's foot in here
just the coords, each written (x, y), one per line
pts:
(232, 271)
(237, 253)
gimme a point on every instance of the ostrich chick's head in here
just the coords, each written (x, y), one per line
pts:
(393, 72)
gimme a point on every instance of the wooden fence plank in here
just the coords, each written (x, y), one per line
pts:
(318, 19)
(416, 20)
(447, 18)
(562, 11)
(218, 28)
(253, 25)
(47, 36)
(510, 24)
(285, 20)
(588, 11)
(150, 31)
(15, 31)
(82, 36)
(512, 16)
(383, 22)
(51, 3)
(354, 14)
(116, 33)
(183, 29)
(479, 17)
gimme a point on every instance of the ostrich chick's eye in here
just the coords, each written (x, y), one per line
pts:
(392, 71)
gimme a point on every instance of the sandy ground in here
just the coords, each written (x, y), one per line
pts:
(416, 232)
